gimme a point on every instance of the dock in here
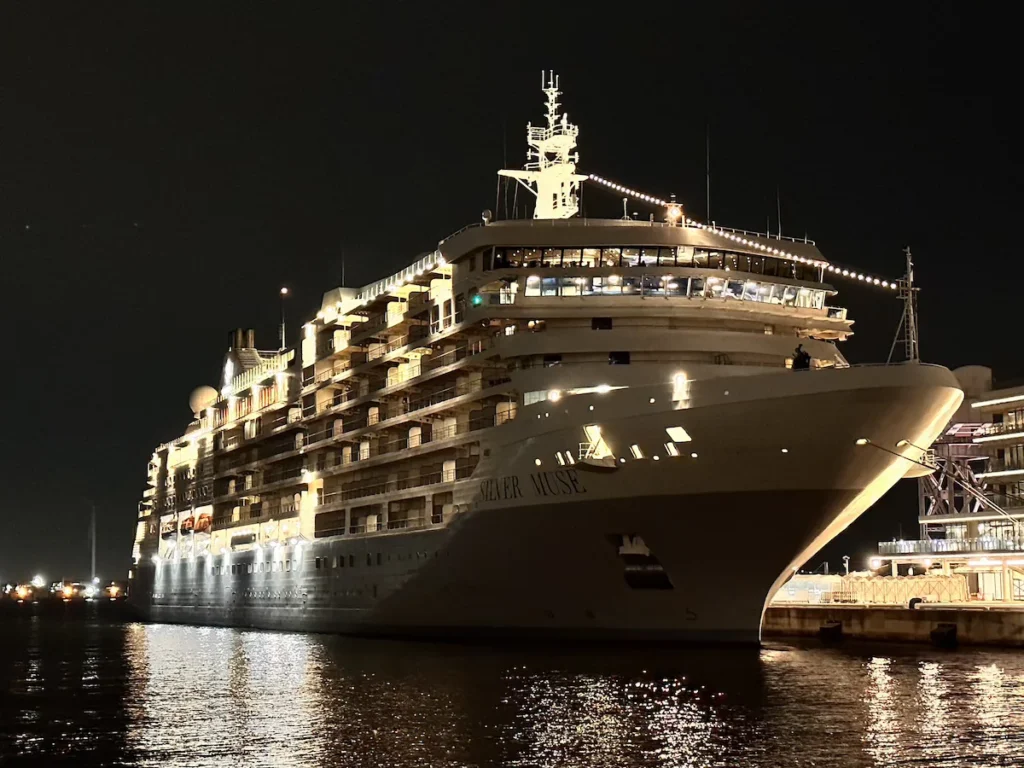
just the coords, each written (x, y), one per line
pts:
(991, 625)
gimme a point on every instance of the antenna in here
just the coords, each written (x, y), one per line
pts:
(92, 538)
(778, 209)
(707, 166)
(908, 321)
(550, 170)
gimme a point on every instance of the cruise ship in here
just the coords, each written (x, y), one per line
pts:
(558, 426)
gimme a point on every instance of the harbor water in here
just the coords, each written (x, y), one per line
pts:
(92, 692)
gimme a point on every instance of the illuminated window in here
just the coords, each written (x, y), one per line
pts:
(596, 447)
(671, 450)
(678, 435)
(635, 450)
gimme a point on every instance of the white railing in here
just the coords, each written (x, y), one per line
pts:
(268, 366)
(940, 546)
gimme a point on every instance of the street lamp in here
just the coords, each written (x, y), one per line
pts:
(284, 295)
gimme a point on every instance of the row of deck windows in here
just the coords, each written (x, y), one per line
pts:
(664, 286)
(285, 566)
(681, 256)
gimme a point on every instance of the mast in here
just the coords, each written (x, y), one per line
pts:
(707, 168)
(92, 537)
(550, 170)
(907, 328)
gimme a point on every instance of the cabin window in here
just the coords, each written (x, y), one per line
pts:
(552, 257)
(618, 358)
(601, 323)
(572, 286)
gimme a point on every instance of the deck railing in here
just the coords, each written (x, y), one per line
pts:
(943, 546)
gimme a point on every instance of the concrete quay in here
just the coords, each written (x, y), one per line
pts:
(940, 625)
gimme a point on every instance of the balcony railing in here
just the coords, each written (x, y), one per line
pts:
(267, 366)
(1003, 428)
(446, 322)
(378, 487)
(398, 409)
(944, 546)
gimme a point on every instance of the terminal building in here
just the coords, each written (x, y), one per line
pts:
(971, 495)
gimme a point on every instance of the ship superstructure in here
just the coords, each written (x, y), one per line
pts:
(551, 426)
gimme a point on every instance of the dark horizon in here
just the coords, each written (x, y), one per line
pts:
(163, 174)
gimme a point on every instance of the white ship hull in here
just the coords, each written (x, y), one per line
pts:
(681, 548)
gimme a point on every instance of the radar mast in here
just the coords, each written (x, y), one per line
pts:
(550, 171)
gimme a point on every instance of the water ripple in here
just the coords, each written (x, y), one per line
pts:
(157, 695)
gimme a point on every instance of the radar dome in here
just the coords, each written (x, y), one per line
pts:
(202, 398)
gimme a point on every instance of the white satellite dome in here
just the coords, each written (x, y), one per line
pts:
(201, 398)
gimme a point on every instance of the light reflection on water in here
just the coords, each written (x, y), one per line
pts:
(133, 694)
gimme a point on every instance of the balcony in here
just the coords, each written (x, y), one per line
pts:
(437, 326)
(1002, 431)
(269, 365)
(951, 546)
(382, 486)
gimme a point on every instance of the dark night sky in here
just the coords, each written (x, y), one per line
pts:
(164, 170)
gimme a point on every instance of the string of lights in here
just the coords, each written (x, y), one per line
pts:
(675, 211)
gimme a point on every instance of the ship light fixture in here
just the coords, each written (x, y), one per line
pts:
(555, 395)
(537, 462)
(680, 387)
(678, 435)
(1005, 436)
(876, 562)
(862, 441)
(603, 389)
(693, 455)
(785, 450)
(997, 401)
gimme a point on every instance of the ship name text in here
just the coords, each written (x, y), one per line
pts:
(562, 482)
